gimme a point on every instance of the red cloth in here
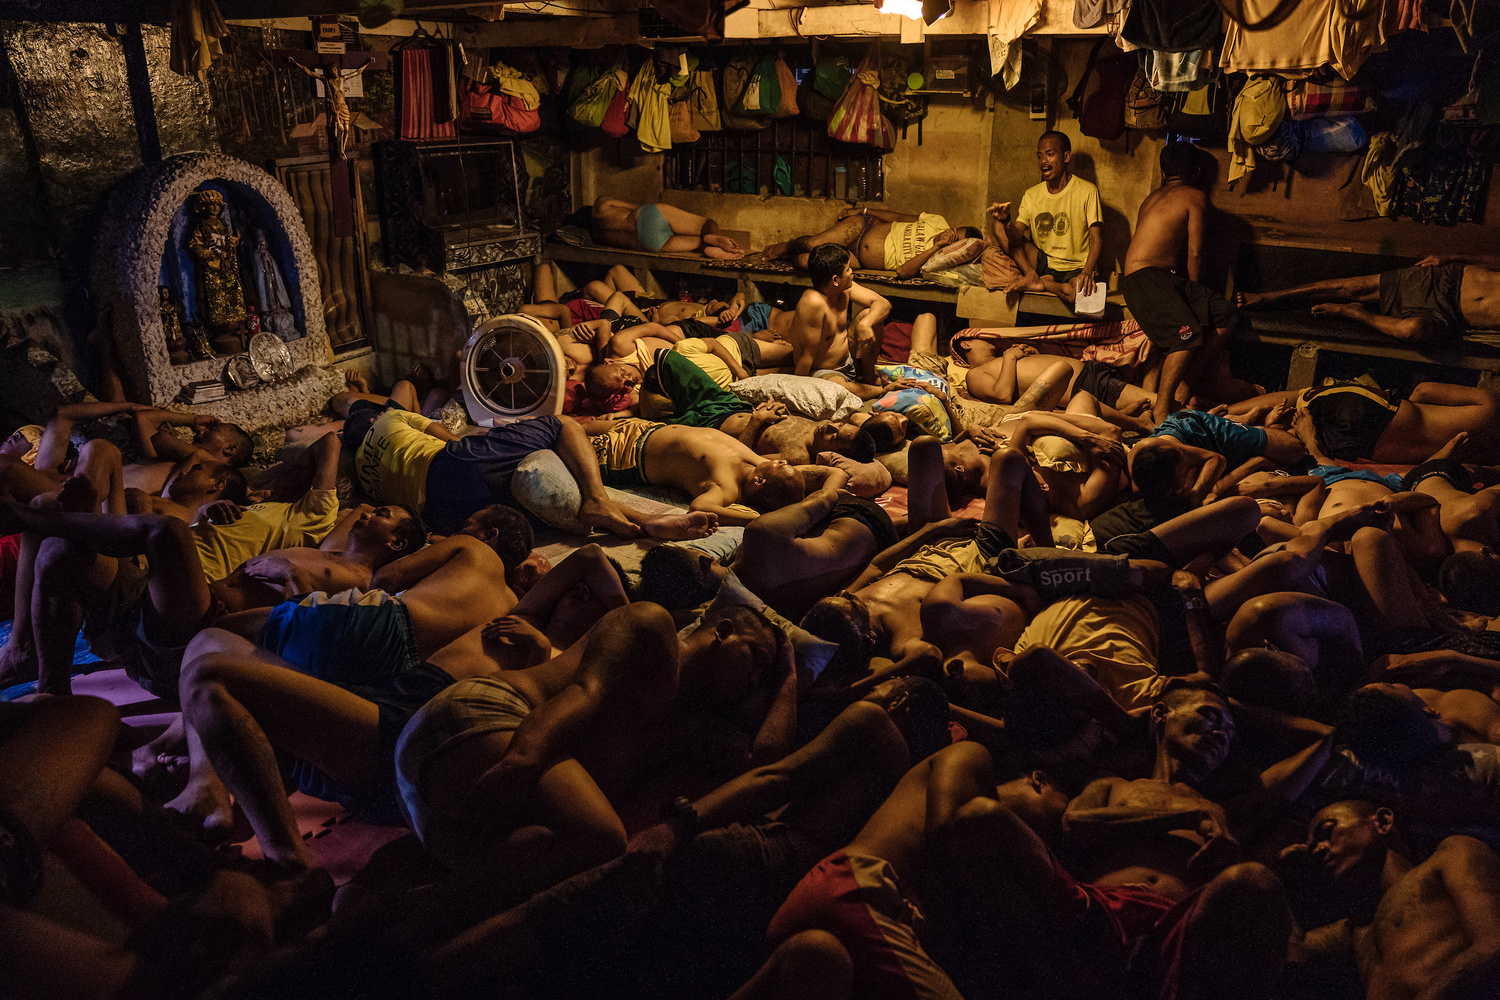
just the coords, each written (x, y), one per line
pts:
(415, 111)
(896, 345)
(583, 310)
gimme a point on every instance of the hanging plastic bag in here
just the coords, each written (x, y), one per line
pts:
(856, 117)
(787, 83)
(703, 98)
(597, 100)
(736, 80)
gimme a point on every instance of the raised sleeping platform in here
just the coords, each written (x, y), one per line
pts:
(1272, 264)
(982, 307)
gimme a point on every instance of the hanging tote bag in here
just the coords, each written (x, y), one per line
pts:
(857, 118)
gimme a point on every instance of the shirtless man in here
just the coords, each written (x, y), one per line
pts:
(566, 744)
(312, 674)
(1437, 299)
(878, 239)
(793, 557)
(880, 613)
(659, 228)
(143, 622)
(1356, 421)
(1005, 379)
(821, 333)
(1190, 323)
(1429, 930)
(728, 483)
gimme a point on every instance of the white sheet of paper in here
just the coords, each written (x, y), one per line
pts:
(1091, 305)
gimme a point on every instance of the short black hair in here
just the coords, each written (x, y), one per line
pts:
(1383, 728)
(1190, 684)
(409, 531)
(825, 263)
(593, 381)
(514, 536)
(862, 448)
(750, 624)
(676, 577)
(926, 725)
(772, 494)
(1061, 137)
(1471, 582)
(844, 620)
(1272, 678)
(1179, 159)
(1154, 471)
(246, 445)
(881, 434)
(970, 232)
(235, 490)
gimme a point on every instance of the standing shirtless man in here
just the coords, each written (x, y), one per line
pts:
(1429, 930)
(1187, 321)
(820, 331)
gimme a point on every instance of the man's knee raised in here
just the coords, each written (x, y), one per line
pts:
(1243, 513)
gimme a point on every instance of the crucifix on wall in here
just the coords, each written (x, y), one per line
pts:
(331, 70)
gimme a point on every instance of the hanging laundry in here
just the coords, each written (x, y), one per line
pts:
(421, 75)
(1258, 112)
(1092, 13)
(509, 80)
(1173, 25)
(595, 99)
(1315, 33)
(704, 102)
(650, 99)
(1173, 72)
(1008, 21)
(197, 27)
(1378, 172)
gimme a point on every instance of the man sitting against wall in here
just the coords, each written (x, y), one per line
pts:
(879, 239)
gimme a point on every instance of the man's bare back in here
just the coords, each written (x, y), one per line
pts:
(1162, 228)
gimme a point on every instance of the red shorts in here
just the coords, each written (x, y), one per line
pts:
(582, 310)
(856, 899)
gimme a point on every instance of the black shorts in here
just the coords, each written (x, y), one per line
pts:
(1100, 381)
(1444, 468)
(1174, 312)
(1141, 545)
(1349, 417)
(1431, 293)
(870, 514)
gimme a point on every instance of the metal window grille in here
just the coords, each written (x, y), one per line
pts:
(790, 156)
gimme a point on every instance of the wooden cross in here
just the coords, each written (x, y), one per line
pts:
(332, 69)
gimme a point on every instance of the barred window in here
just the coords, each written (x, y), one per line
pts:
(791, 156)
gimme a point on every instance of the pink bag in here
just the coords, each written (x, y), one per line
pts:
(483, 110)
(856, 117)
(614, 118)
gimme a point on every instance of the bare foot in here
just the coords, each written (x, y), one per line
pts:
(1135, 407)
(680, 527)
(17, 664)
(356, 381)
(1456, 448)
(1331, 309)
(604, 513)
(719, 253)
(206, 804)
(1249, 300)
(774, 252)
(78, 495)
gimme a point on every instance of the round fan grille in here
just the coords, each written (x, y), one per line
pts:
(512, 367)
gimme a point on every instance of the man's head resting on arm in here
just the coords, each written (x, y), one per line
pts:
(1272, 678)
(504, 529)
(1388, 725)
(1191, 720)
(919, 710)
(218, 480)
(829, 268)
(1470, 581)
(729, 656)
(844, 619)
(773, 485)
(392, 530)
(1158, 471)
(229, 442)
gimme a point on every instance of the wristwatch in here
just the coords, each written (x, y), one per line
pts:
(1194, 600)
(682, 812)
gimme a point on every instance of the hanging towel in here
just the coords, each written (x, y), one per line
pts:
(197, 27)
(1172, 72)
(1008, 21)
(416, 115)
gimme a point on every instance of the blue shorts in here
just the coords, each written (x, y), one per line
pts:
(474, 472)
(366, 649)
(756, 317)
(1238, 443)
(1331, 474)
(652, 228)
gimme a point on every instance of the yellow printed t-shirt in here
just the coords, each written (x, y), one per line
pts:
(392, 462)
(907, 239)
(696, 351)
(1116, 639)
(1059, 223)
(223, 548)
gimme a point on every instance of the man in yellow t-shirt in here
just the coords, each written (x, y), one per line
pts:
(1058, 232)
(410, 460)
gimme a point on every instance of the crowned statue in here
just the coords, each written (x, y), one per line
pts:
(221, 297)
